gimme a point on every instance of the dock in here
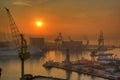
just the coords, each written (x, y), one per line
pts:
(106, 66)
(80, 69)
(39, 77)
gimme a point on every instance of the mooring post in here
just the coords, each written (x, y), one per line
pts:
(22, 69)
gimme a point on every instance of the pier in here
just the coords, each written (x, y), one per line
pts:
(106, 67)
(79, 69)
(39, 77)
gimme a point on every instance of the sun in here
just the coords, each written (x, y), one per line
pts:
(39, 23)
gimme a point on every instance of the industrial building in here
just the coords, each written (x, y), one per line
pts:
(37, 42)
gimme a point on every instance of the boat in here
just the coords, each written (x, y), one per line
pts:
(109, 63)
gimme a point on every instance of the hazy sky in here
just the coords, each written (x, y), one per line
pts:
(71, 17)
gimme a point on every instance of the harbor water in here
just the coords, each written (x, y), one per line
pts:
(11, 65)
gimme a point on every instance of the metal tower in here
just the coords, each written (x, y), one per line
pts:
(101, 40)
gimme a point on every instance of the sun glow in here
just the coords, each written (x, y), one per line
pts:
(39, 24)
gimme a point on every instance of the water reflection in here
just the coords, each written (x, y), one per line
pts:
(68, 74)
(11, 66)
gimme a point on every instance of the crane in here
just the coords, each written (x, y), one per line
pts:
(19, 40)
(100, 46)
(59, 39)
(18, 37)
(101, 41)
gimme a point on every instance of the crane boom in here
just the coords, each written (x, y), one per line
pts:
(14, 29)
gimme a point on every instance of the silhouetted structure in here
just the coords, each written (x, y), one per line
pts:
(37, 42)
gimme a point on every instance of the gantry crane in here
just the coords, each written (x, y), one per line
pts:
(100, 46)
(59, 39)
(20, 42)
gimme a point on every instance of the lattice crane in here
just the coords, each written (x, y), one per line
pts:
(20, 42)
(101, 40)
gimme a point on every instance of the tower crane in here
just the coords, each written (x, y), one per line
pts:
(20, 42)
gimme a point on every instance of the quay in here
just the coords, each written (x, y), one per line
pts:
(78, 69)
(39, 77)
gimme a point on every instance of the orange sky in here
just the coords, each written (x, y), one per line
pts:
(71, 17)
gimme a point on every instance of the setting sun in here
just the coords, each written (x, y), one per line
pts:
(39, 23)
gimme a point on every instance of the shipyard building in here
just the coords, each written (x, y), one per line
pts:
(37, 42)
